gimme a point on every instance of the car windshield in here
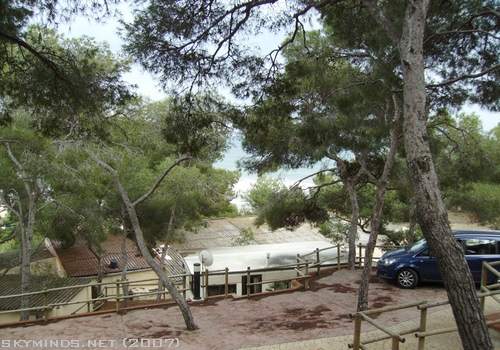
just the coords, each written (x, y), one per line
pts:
(417, 246)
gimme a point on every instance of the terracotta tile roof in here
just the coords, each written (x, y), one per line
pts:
(12, 258)
(80, 261)
(11, 284)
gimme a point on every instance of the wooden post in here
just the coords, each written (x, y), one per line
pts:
(184, 281)
(306, 281)
(298, 266)
(338, 256)
(318, 267)
(484, 283)
(248, 281)
(395, 343)
(357, 333)
(125, 299)
(46, 304)
(226, 282)
(360, 255)
(206, 283)
(117, 296)
(423, 325)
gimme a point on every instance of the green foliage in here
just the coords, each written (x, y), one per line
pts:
(259, 195)
(74, 95)
(198, 126)
(246, 237)
(481, 199)
(334, 230)
(290, 208)
(139, 152)
(402, 237)
(316, 107)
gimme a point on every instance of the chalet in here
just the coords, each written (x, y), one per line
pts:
(275, 263)
(11, 285)
(107, 266)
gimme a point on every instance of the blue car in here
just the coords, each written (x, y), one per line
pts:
(411, 265)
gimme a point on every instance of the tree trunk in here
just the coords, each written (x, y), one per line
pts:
(162, 264)
(413, 222)
(174, 293)
(376, 219)
(164, 249)
(431, 211)
(124, 265)
(26, 237)
(26, 247)
(353, 228)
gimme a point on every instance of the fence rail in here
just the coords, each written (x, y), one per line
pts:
(303, 268)
(421, 332)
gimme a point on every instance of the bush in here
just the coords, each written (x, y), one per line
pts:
(482, 200)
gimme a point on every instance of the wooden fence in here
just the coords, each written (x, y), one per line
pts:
(421, 332)
(305, 265)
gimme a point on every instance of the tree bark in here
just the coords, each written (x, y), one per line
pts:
(164, 249)
(353, 226)
(174, 293)
(376, 219)
(413, 221)
(124, 265)
(27, 223)
(26, 247)
(431, 211)
(139, 236)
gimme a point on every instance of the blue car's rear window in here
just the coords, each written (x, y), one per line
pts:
(418, 246)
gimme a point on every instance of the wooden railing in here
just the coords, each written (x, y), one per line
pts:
(421, 331)
(304, 266)
(395, 337)
(486, 270)
(89, 301)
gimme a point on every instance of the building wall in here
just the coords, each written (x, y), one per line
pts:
(9, 317)
(64, 310)
(140, 287)
(48, 266)
(237, 279)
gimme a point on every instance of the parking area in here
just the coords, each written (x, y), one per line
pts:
(322, 311)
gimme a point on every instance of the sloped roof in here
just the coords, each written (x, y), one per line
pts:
(11, 284)
(12, 258)
(223, 233)
(174, 263)
(79, 260)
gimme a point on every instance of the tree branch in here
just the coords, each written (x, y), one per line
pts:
(382, 20)
(463, 77)
(9, 206)
(159, 180)
(9, 237)
(23, 44)
(12, 157)
(298, 182)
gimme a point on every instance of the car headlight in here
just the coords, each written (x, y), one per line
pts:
(388, 261)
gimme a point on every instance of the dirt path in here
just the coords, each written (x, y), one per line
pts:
(322, 311)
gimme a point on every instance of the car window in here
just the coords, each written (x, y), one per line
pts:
(418, 246)
(476, 246)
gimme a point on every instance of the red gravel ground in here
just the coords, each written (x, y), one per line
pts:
(322, 311)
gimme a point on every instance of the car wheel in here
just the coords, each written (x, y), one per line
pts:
(407, 278)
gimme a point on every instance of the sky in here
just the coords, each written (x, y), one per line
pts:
(147, 86)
